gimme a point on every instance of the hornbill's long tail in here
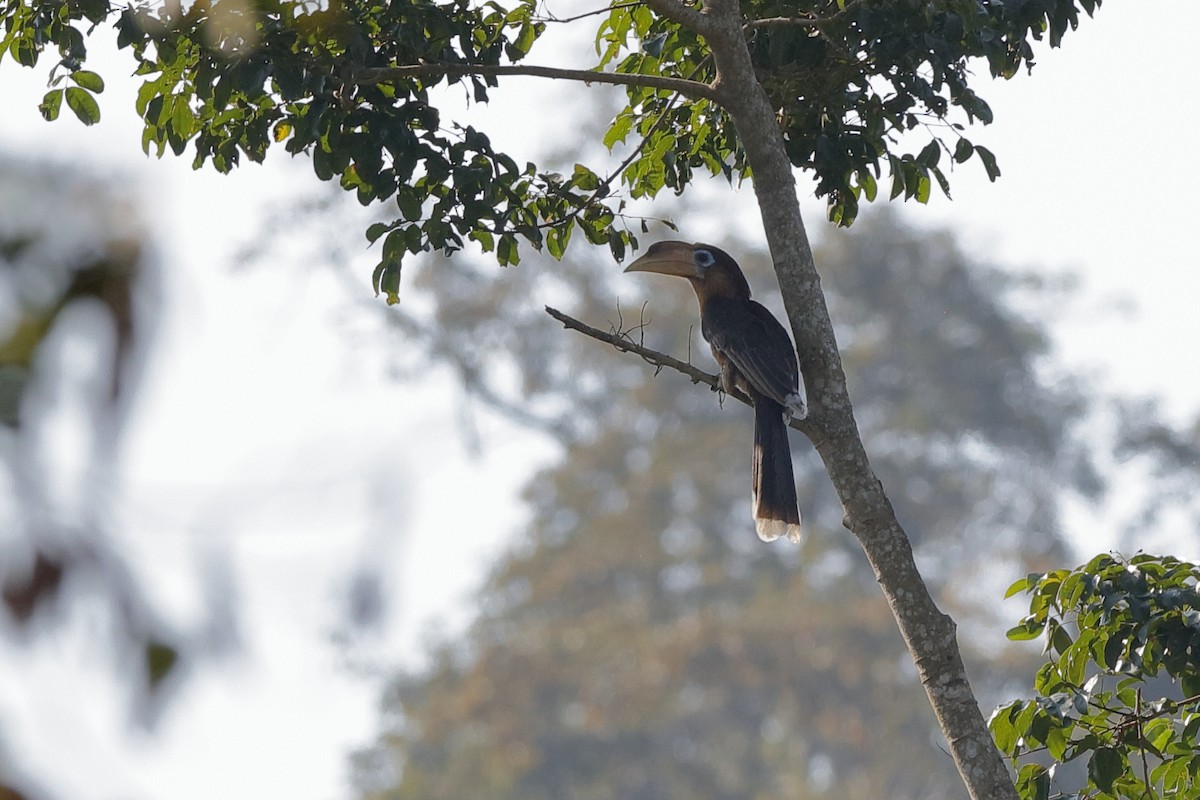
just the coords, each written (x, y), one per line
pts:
(776, 511)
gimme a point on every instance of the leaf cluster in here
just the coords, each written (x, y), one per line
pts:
(29, 28)
(1110, 627)
(349, 84)
(847, 78)
(675, 137)
(67, 242)
(233, 79)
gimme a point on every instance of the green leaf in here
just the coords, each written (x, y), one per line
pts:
(870, 188)
(1174, 775)
(1114, 648)
(989, 162)
(1021, 584)
(616, 246)
(322, 163)
(1127, 690)
(146, 92)
(1159, 733)
(386, 278)
(525, 39)
(924, 188)
(1105, 766)
(930, 154)
(620, 128)
(1073, 587)
(88, 80)
(585, 179)
(394, 245)
(182, 118)
(1059, 638)
(83, 104)
(378, 229)
(942, 182)
(558, 237)
(409, 204)
(506, 250)
(1029, 628)
(51, 104)
(1075, 658)
(1190, 683)
(485, 239)
(1033, 782)
(1057, 739)
(1004, 733)
(24, 52)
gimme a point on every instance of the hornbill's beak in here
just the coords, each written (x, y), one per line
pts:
(667, 258)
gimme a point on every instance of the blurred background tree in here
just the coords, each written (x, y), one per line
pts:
(639, 641)
(74, 268)
(78, 310)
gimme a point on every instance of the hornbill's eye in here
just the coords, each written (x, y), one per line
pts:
(703, 258)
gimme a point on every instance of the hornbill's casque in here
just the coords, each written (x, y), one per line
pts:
(755, 355)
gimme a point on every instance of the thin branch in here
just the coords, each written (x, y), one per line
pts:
(799, 22)
(622, 342)
(613, 7)
(389, 74)
(782, 22)
(605, 187)
(685, 14)
(1141, 733)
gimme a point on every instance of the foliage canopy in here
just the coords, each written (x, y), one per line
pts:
(832, 87)
(355, 84)
(1112, 627)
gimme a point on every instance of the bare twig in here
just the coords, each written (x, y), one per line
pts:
(430, 69)
(621, 341)
(798, 22)
(594, 12)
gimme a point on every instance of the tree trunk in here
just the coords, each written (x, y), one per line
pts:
(929, 634)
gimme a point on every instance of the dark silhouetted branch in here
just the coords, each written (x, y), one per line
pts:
(621, 341)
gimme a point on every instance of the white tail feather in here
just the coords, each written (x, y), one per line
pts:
(771, 529)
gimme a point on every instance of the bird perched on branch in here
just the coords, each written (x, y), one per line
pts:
(755, 355)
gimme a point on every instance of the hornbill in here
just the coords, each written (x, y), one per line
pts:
(755, 355)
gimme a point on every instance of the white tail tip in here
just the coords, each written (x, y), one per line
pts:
(771, 529)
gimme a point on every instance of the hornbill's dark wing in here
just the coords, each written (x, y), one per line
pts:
(757, 344)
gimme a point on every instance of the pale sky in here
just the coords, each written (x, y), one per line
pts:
(267, 428)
